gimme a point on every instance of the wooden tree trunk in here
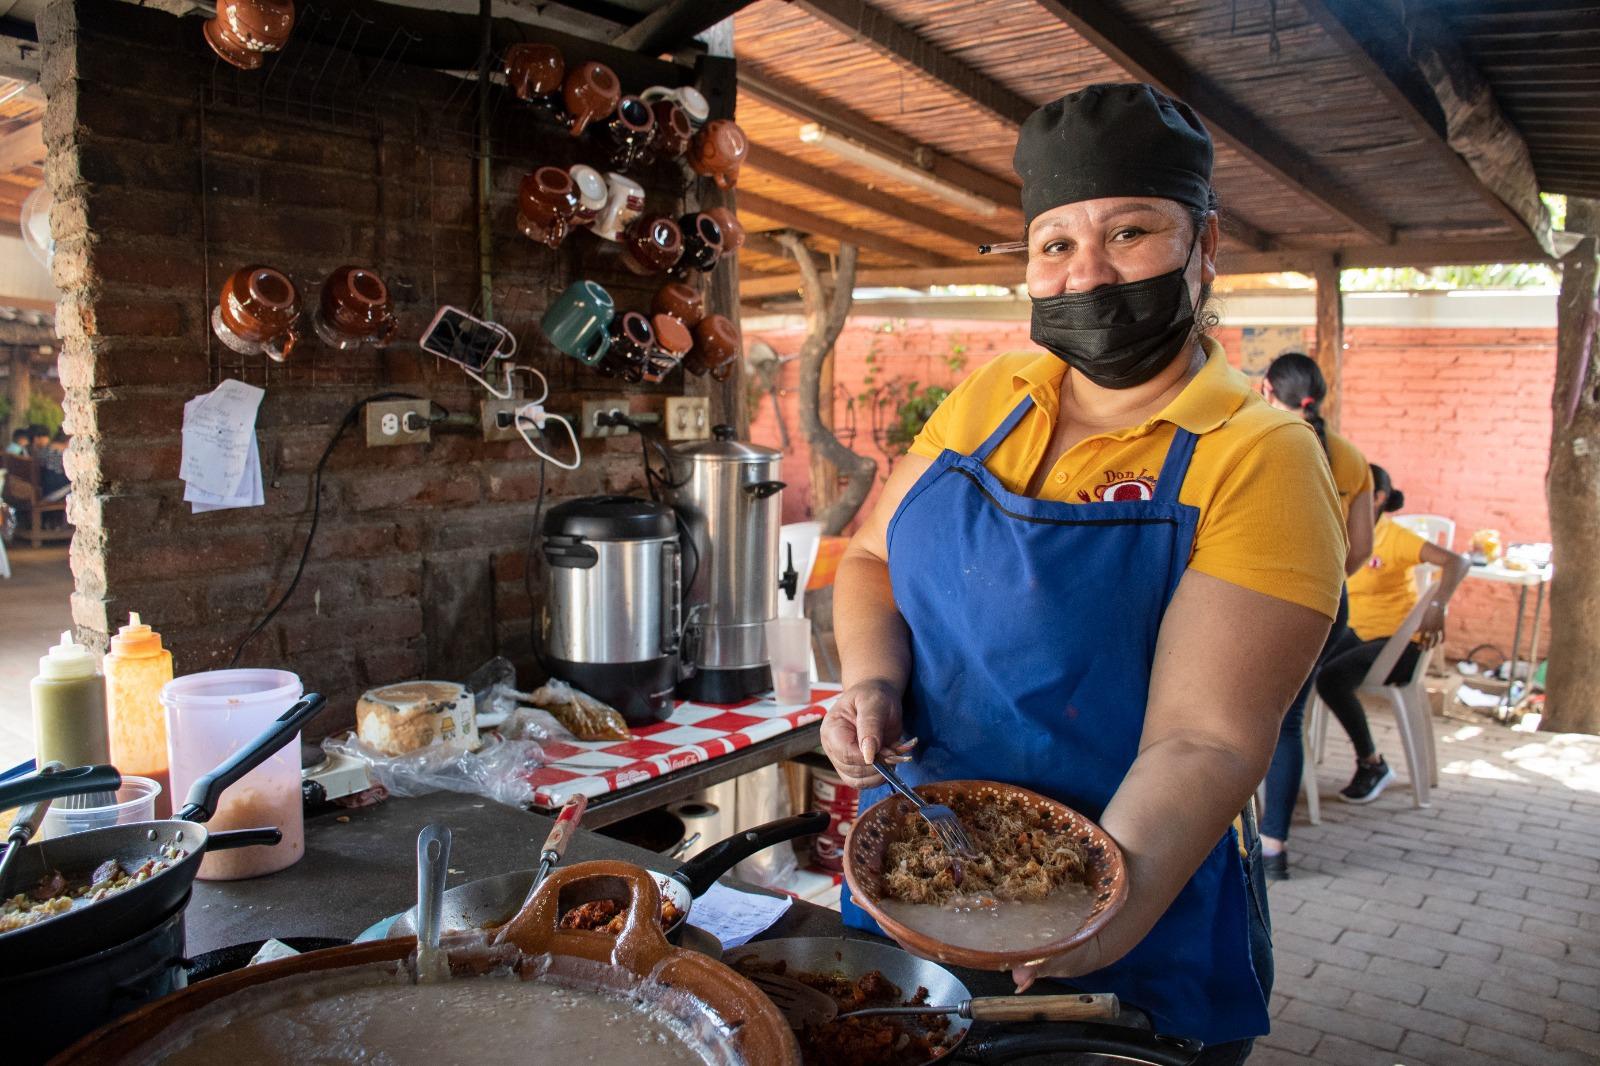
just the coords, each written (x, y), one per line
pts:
(825, 319)
(1572, 488)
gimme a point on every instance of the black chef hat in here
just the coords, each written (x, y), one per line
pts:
(1113, 139)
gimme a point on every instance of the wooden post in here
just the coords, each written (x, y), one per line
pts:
(1330, 334)
(1572, 487)
(824, 474)
(21, 388)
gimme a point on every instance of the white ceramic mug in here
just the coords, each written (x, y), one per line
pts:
(689, 98)
(624, 202)
(591, 193)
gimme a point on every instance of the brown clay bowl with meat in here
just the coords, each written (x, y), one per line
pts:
(1100, 888)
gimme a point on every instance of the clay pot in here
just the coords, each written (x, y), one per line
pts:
(546, 204)
(681, 301)
(652, 245)
(628, 134)
(354, 309)
(535, 72)
(591, 92)
(258, 312)
(718, 150)
(244, 31)
(673, 342)
(673, 130)
(716, 348)
(732, 229)
(702, 242)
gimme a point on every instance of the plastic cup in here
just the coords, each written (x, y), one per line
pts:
(211, 716)
(789, 651)
(136, 802)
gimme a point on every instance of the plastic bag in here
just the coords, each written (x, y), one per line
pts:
(498, 770)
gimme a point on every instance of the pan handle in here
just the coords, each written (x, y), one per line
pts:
(208, 789)
(700, 872)
(1060, 1038)
(48, 786)
(243, 838)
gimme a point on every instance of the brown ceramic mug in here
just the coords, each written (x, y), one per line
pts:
(716, 346)
(258, 312)
(718, 150)
(355, 309)
(535, 72)
(546, 204)
(673, 130)
(628, 132)
(681, 301)
(244, 31)
(652, 245)
(702, 242)
(633, 342)
(673, 342)
(732, 229)
(591, 92)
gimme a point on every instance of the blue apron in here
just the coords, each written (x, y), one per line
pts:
(1033, 629)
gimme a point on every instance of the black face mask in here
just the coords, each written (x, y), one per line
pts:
(1119, 336)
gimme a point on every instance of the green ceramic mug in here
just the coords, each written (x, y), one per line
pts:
(577, 321)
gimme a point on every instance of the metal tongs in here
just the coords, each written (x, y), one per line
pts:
(946, 826)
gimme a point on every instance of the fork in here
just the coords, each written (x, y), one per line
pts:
(946, 826)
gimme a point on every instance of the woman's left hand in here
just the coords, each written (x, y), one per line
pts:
(1431, 631)
(1101, 950)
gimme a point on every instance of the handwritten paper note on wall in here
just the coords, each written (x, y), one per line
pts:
(221, 465)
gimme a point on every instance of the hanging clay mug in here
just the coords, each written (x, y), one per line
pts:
(258, 312)
(673, 342)
(652, 245)
(716, 348)
(354, 309)
(628, 133)
(535, 73)
(692, 100)
(244, 31)
(732, 229)
(546, 203)
(718, 150)
(591, 92)
(633, 342)
(673, 130)
(682, 302)
(702, 242)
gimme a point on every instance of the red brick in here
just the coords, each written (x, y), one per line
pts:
(371, 626)
(131, 557)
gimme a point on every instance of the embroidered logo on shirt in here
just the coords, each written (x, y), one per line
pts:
(1121, 486)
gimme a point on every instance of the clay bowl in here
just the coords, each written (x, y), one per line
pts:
(868, 843)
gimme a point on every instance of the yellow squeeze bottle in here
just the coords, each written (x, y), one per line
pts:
(136, 668)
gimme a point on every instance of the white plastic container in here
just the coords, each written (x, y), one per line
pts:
(209, 717)
(136, 802)
(789, 650)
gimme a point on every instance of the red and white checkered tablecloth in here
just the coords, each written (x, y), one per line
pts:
(693, 733)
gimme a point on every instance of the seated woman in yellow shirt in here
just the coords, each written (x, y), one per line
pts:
(1382, 594)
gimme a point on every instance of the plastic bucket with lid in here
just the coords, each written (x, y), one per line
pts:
(209, 717)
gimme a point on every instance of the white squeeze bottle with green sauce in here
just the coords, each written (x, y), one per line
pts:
(69, 707)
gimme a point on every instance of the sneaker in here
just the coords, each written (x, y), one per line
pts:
(1275, 867)
(1368, 784)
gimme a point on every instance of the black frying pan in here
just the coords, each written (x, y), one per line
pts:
(94, 926)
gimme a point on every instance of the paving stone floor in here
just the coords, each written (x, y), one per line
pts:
(1466, 933)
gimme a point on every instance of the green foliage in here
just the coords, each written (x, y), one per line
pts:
(5, 409)
(916, 405)
(1485, 276)
(43, 411)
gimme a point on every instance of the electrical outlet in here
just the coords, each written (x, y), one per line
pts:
(688, 418)
(388, 422)
(498, 418)
(593, 409)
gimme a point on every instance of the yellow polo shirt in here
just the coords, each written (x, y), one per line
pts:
(1270, 518)
(1382, 592)
(1351, 473)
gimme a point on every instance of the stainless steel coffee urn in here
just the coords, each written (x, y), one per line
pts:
(611, 612)
(728, 496)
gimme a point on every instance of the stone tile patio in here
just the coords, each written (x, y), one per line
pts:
(1460, 934)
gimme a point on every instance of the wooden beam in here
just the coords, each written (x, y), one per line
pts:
(19, 58)
(22, 148)
(1409, 253)
(1330, 335)
(1382, 60)
(1257, 240)
(676, 23)
(760, 242)
(771, 161)
(1245, 133)
(807, 222)
(1007, 274)
(865, 23)
(795, 100)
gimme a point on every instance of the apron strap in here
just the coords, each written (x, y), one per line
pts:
(1176, 467)
(1003, 429)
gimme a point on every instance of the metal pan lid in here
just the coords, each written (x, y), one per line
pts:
(723, 448)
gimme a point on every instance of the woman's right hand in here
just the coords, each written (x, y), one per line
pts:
(864, 722)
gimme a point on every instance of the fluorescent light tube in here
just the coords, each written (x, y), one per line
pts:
(910, 173)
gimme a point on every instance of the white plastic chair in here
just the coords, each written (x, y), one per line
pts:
(1408, 699)
(1441, 531)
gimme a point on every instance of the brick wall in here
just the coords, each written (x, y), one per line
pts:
(165, 181)
(1459, 417)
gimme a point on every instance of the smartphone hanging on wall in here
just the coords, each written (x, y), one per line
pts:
(467, 341)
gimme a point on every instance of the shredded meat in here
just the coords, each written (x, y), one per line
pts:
(864, 1041)
(54, 893)
(608, 916)
(1025, 856)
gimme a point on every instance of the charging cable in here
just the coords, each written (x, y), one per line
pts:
(533, 414)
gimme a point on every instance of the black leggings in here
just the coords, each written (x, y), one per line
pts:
(1343, 668)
